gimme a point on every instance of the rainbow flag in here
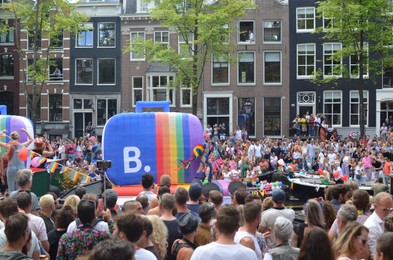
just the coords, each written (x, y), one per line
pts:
(291, 187)
(74, 176)
(53, 167)
(31, 154)
(64, 169)
(42, 160)
(86, 179)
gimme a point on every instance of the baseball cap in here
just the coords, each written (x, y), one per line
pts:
(188, 223)
(194, 191)
(283, 227)
(278, 195)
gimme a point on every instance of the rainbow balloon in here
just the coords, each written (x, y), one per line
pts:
(139, 143)
(15, 123)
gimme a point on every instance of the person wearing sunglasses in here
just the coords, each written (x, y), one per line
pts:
(383, 205)
(352, 242)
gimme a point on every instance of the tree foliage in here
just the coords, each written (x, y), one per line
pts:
(364, 27)
(203, 26)
(39, 19)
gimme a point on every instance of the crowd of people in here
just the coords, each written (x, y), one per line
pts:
(192, 224)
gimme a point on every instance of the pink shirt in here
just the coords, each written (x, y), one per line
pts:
(366, 162)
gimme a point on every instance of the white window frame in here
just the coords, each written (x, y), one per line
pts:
(333, 103)
(239, 32)
(365, 68)
(181, 42)
(140, 34)
(263, 33)
(305, 30)
(366, 95)
(144, 7)
(10, 34)
(221, 94)
(264, 72)
(76, 72)
(239, 76)
(150, 88)
(98, 35)
(183, 89)
(98, 72)
(306, 45)
(89, 27)
(332, 44)
(106, 108)
(220, 60)
(163, 43)
(133, 88)
(324, 21)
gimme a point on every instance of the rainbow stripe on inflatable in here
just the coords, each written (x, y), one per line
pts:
(15, 123)
(139, 143)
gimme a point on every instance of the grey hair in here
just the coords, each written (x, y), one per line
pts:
(23, 177)
(347, 213)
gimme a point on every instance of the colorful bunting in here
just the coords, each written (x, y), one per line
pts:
(42, 160)
(86, 179)
(31, 154)
(64, 169)
(74, 176)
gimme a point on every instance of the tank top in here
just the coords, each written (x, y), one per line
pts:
(241, 234)
(15, 160)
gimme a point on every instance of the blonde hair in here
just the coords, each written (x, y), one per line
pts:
(344, 244)
(73, 202)
(159, 237)
(14, 135)
(46, 201)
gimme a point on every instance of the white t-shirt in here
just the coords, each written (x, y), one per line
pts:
(241, 234)
(216, 251)
(37, 225)
(35, 247)
(142, 254)
(149, 194)
(100, 226)
(258, 150)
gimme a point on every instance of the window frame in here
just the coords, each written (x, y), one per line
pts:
(55, 78)
(181, 42)
(332, 104)
(305, 30)
(163, 43)
(238, 70)
(144, 38)
(239, 33)
(89, 29)
(365, 92)
(332, 64)
(264, 30)
(99, 45)
(264, 113)
(106, 108)
(10, 65)
(264, 68)
(220, 61)
(133, 88)
(51, 110)
(351, 65)
(98, 72)
(92, 71)
(306, 64)
(150, 88)
(10, 35)
(182, 89)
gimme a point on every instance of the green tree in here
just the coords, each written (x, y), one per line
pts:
(39, 19)
(364, 27)
(204, 26)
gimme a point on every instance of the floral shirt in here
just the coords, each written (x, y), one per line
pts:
(79, 242)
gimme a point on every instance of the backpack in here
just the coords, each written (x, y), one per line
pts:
(95, 222)
(180, 244)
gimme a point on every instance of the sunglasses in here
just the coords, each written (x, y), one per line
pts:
(388, 209)
(364, 241)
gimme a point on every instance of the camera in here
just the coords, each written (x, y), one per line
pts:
(104, 164)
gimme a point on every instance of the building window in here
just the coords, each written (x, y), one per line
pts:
(331, 65)
(144, 6)
(57, 41)
(159, 88)
(163, 38)
(387, 77)
(354, 65)
(272, 116)
(305, 60)
(85, 37)
(84, 71)
(218, 112)
(106, 108)
(305, 19)
(7, 37)
(106, 71)
(186, 45)
(55, 107)
(246, 32)
(134, 37)
(355, 108)
(327, 23)
(246, 72)
(246, 115)
(34, 40)
(272, 31)
(220, 70)
(106, 34)
(272, 67)
(332, 109)
(56, 69)
(185, 97)
(137, 90)
(6, 65)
